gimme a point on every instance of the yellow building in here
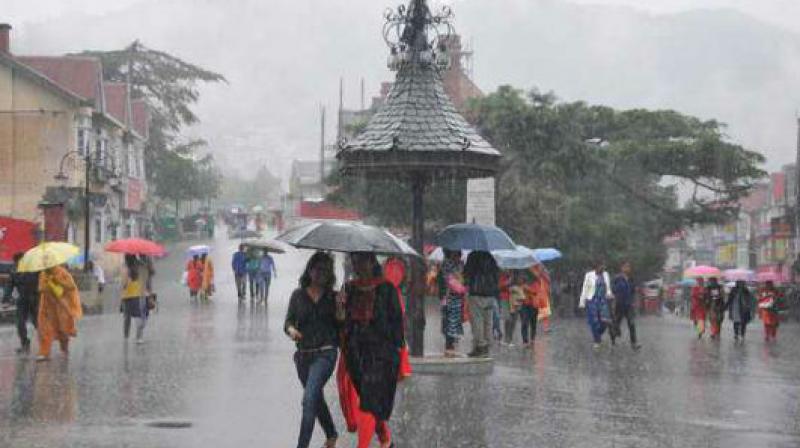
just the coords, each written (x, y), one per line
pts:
(38, 122)
(56, 112)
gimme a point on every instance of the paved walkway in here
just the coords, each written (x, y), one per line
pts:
(227, 371)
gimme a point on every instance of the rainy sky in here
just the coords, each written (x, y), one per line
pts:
(734, 60)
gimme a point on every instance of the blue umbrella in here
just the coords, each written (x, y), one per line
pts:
(519, 258)
(474, 237)
(688, 282)
(547, 254)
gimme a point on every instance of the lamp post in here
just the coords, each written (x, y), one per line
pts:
(61, 177)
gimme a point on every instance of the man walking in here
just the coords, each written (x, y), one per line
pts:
(483, 284)
(239, 265)
(27, 286)
(267, 272)
(625, 303)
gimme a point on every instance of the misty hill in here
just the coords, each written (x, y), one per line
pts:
(283, 58)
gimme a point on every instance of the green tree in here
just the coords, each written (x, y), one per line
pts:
(598, 182)
(170, 87)
(591, 180)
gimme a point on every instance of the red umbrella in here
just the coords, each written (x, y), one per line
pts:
(136, 246)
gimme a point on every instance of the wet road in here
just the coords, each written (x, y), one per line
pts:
(227, 370)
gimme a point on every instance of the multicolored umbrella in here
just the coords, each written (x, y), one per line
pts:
(768, 276)
(735, 275)
(200, 249)
(136, 246)
(702, 271)
(46, 256)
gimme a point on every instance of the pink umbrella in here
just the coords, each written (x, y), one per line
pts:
(768, 276)
(136, 246)
(702, 271)
(735, 275)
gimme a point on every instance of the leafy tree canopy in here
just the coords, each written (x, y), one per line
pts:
(594, 181)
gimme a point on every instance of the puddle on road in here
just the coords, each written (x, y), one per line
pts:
(170, 424)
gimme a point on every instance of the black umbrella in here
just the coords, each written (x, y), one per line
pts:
(346, 237)
(265, 245)
(474, 237)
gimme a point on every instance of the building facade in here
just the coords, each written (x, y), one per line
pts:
(57, 113)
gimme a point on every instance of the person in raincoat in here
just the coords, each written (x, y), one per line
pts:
(740, 309)
(59, 310)
(769, 300)
(595, 296)
(715, 306)
(311, 322)
(372, 342)
(451, 295)
(194, 276)
(207, 286)
(697, 312)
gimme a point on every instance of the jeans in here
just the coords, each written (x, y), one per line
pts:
(625, 312)
(480, 308)
(496, 328)
(265, 281)
(254, 284)
(314, 370)
(528, 316)
(27, 309)
(241, 285)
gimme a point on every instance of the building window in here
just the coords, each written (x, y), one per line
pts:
(82, 141)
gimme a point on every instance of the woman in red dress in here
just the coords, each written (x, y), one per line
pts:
(768, 306)
(194, 276)
(698, 310)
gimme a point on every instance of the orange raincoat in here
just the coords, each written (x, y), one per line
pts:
(59, 309)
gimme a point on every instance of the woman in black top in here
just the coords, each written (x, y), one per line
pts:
(311, 323)
(373, 337)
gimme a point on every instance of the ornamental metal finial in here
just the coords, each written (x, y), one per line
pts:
(415, 35)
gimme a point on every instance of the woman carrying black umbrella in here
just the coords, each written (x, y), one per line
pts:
(311, 322)
(373, 338)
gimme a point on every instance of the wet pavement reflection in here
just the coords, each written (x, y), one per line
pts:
(225, 369)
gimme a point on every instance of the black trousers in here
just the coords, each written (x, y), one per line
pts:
(628, 313)
(27, 310)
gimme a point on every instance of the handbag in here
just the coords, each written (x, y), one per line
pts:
(152, 301)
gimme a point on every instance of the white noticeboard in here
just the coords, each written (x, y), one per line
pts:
(480, 201)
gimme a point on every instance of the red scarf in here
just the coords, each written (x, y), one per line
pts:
(362, 297)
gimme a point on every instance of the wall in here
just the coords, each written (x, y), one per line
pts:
(32, 143)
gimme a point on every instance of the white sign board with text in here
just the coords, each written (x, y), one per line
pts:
(480, 201)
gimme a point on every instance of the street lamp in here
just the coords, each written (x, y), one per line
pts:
(61, 177)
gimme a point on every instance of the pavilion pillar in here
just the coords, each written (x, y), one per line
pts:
(415, 333)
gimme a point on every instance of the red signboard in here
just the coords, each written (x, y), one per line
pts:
(134, 196)
(55, 223)
(16, 236)
(324, 210)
